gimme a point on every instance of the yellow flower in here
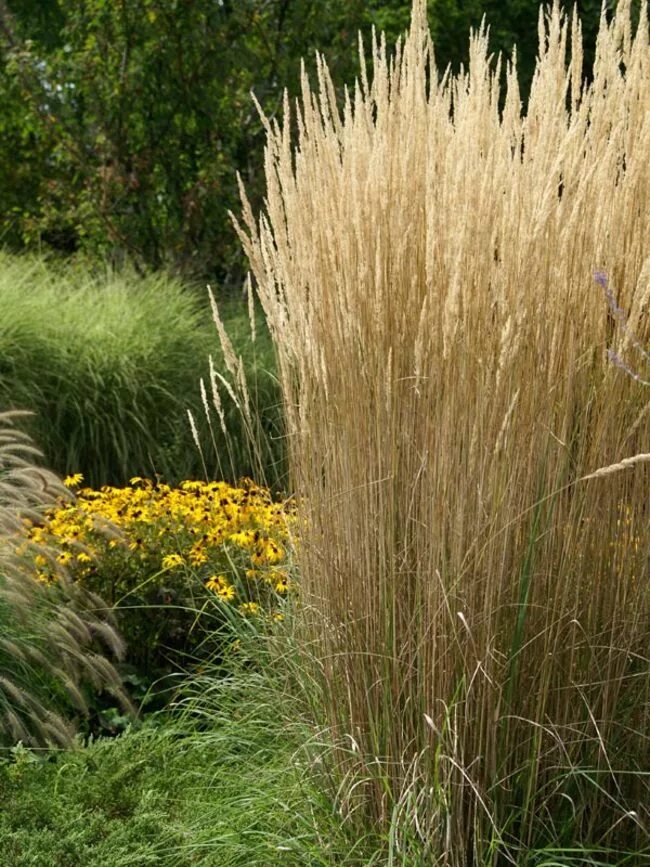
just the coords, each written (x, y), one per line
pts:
(36, 534)
(244, 539)
(282, 585)
(267, 551)
(220, 585)
(274, 552)
(192, 486)
(215, 582)
(199, 520)
(40, 561)
(74, 480)
(64, 558)
(197, 555)
(214, 536)
(171, 561)
(258, 558)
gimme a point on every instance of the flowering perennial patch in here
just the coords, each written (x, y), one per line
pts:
(163, 556)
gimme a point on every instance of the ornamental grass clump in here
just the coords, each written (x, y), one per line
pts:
(173, 563)
(478, 587)
(54, 645)
(108, 364)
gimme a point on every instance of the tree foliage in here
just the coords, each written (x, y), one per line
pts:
(123, 124)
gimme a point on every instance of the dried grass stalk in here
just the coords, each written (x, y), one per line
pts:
(426, 264)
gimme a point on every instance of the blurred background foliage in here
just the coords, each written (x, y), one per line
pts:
(123, 124)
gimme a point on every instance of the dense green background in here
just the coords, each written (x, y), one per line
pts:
(123, 124)
(110, 363)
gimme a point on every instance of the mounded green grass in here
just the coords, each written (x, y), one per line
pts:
(111, 363)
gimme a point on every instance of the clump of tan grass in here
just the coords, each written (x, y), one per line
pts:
(476, 576)
(53, 642)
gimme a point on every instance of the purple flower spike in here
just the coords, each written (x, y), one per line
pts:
(617, 312)
(620, 317)
(616, 359)
(601, 278)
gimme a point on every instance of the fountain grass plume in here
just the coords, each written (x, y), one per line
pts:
(55, 640)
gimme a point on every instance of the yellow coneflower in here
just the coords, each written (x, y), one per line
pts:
(172, 561)
(74, 480)
(227, 593)
(197, 555)
(215, 583)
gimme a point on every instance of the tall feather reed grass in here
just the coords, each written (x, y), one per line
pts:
(474, 577)
(54, 645)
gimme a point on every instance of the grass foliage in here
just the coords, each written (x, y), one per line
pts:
(111, 363)
(222, 780)
(480, 593)
(53, 646)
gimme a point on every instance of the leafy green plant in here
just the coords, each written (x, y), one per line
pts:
(124, 125)
(146, 112)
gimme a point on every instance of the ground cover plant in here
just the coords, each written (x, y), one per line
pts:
(472, 470)
(110, 365)
(223, 778)
(54, 645)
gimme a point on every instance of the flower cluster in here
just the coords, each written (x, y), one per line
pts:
(163, 554)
